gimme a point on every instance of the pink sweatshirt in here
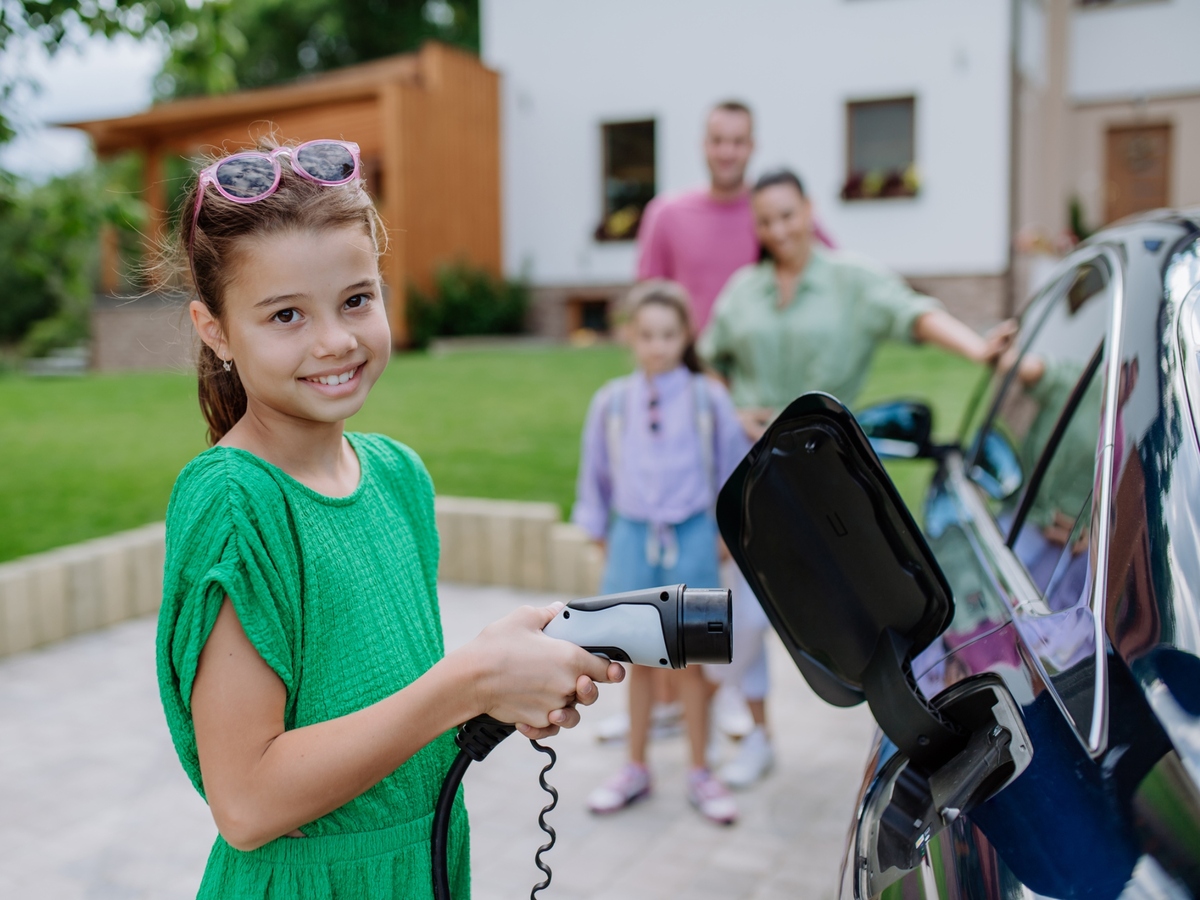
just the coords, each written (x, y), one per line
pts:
(699, 242)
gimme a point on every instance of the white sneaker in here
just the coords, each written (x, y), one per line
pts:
(711, 797)
(630, 784)
(753, 760)
(730, 712)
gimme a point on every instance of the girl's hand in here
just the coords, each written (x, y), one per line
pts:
(524, 676)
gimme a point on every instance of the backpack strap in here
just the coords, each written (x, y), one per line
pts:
(614, 421)
(705, 428)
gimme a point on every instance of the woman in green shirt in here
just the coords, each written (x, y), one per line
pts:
(804, 319)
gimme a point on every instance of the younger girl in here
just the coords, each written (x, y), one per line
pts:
(300, 654)
(656, 448)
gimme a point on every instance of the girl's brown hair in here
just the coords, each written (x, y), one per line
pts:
(674, 296)
(217, 242)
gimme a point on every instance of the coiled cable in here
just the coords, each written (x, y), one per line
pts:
(542, 824)
(476, 739)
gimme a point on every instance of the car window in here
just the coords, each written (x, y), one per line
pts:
(1034, 386)
(1046, 418)
(992, 383)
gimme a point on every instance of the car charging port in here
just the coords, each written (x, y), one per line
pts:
(914, 800)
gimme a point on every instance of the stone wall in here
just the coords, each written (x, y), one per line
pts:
(50, 596)
(150, 332)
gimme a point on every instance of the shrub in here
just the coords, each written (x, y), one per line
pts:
(67, 329)
(466, 300)
(49, 244)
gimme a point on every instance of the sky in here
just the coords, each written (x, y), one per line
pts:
(99, 80)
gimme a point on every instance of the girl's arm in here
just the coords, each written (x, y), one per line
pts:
(939, 327)
(262, 781)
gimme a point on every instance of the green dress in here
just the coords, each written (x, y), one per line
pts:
(339, 597)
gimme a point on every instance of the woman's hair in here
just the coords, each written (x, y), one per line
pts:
(216, 243)
(673, 296)
(772, 179)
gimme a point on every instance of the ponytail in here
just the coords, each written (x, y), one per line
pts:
(222, 397)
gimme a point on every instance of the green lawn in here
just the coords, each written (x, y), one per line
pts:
(84, 457)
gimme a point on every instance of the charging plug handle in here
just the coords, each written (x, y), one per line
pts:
(663, 627)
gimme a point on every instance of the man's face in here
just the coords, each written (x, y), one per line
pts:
(728, 143)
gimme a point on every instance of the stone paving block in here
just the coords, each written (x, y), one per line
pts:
(50, 599)
(500, 528)
(83, 588)
(536, 522)
(450, 544)
(146, 570)
(17, 622)
(591, 571)
(567, 545)
(114, 565)
(474, 565)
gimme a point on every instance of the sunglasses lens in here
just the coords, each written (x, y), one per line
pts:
(246, 177)
(326, 161)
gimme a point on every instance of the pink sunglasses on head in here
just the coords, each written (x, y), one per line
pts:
(250, 176)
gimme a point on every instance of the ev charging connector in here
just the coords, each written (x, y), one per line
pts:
(663, 627)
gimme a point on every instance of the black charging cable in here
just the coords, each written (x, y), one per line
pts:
(476, 739)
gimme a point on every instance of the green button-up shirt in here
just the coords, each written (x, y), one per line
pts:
(823, 340)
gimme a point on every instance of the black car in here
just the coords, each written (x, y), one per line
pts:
(1033, 657)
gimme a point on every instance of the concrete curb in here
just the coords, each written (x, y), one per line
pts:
(84, 587)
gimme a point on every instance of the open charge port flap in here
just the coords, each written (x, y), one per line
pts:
(908, 805)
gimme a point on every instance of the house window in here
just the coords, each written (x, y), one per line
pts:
(880, 149)
(629, 178)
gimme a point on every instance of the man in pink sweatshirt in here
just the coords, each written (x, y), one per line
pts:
(701, 237)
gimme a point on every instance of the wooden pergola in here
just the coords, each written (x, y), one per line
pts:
(428, 124)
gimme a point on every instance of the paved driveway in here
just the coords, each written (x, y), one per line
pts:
(93, 803)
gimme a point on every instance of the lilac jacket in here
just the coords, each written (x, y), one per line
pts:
(662, 477)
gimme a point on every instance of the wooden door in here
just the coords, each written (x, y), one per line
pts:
(1138, 166)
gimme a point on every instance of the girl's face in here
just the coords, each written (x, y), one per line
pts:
(783, 222)
(304, 324)
(659, 338)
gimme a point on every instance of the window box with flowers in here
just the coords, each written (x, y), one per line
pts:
(880, 153)
(878, 184)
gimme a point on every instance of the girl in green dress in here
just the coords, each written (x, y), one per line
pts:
(300, 655)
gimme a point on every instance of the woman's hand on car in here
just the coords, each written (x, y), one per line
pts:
(998, 340)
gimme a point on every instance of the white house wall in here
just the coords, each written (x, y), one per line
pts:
(569, 65)
(1135, 50)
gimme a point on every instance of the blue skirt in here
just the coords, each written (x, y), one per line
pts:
(642, 555)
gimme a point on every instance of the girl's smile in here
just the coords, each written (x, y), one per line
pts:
(337, 383)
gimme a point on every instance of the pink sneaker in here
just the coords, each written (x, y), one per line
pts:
(630, 783)
(711, 798)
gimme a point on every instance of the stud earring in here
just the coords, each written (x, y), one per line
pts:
(228, 364)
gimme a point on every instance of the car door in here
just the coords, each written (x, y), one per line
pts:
(1011, 521)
